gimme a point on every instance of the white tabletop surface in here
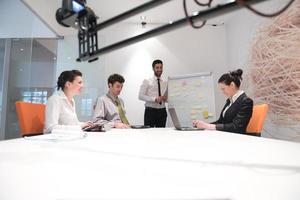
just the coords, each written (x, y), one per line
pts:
(154, 164)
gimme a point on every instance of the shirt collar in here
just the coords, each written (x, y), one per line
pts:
(63, 96)
(155, 78)
(236, 95)
(114, 99)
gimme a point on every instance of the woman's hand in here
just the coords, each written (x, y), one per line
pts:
(203, 125)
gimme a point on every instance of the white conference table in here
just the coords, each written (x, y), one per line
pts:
(150, 164)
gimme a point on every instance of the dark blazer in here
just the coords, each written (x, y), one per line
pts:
(237, 115)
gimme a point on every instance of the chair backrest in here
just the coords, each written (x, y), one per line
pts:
(31, 117)
(256, 122)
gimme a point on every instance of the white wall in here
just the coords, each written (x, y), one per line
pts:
(183, 51)
(93, 73)
(17, 21)
(240, 33)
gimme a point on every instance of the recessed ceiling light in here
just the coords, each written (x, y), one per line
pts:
(69, 58)
(21, 49)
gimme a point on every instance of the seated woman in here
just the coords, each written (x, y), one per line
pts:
(60, 108)
(237, 111)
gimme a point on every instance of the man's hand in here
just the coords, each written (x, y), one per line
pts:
(164, 98)
(159, 99)
(121, 125)
(86, 124)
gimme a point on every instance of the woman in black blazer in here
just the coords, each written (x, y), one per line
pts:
(237, 111)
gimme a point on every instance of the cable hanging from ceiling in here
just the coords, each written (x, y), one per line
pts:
(242, 3)
(191, 22)
(245, 4)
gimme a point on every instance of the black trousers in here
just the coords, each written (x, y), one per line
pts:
(155, 117)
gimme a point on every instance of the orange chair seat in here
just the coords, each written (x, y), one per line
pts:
(31, 117)
(257, 120)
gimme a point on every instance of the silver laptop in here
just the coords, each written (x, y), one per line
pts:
(177, 123)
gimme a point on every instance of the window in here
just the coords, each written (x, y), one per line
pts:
(35, 96)
(86, 107)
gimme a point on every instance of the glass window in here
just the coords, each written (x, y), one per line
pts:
(2, 51)
(86, 107)
(31, 76)
(35, 96)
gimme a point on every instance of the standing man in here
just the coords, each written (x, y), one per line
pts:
(110, 107)
(154, 92)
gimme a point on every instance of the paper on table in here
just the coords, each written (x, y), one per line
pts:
(59, 135)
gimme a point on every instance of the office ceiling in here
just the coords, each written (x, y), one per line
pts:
(106, 9)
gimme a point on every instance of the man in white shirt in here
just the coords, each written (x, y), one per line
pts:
(154, 92)
(110, 107)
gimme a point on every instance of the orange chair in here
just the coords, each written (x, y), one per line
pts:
(256, 122)
(31, 118)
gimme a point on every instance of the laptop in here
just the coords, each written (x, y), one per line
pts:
(139, 126)
(94, 128)
(177, 123)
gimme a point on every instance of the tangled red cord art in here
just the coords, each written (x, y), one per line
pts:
(275, 67)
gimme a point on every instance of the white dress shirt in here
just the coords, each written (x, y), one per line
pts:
(232, 100)
(149, 92)
(60, 114)
(106, 110)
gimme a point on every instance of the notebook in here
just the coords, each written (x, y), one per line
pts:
(177, 123)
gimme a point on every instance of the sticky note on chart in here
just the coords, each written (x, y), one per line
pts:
(195, 111)
(197, 83)
(196, 107)
(194, 117)
(200, 95)
(205, 114)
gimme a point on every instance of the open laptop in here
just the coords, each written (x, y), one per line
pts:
(139, 126)
(177, 123)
